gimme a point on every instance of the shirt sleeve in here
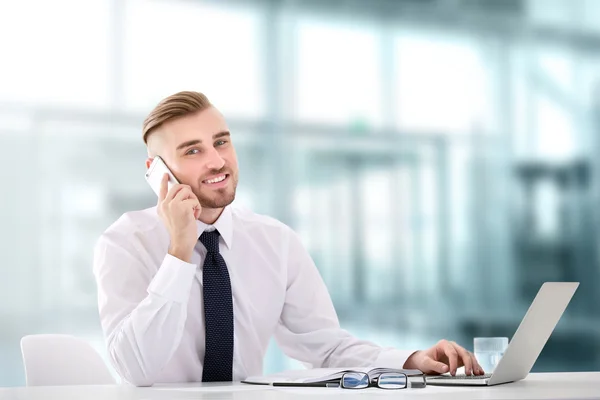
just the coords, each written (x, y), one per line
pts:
(309, 330)
(142, 313)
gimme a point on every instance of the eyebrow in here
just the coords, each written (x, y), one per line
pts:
(198, 141)
(221, 134)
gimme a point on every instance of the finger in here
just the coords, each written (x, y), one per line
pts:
(164, 187)
(476, 366)
(179, 193)
(452, 356)
(429, 364)
(465, 358)
(191, 204)
(173, 192)
(183, 194)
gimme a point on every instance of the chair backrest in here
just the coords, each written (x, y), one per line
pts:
(52, 360)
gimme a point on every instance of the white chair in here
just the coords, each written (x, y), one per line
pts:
(52, 360)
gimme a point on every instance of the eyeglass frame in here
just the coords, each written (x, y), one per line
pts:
(375, 381)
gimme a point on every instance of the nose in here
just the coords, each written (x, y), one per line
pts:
(214, 159)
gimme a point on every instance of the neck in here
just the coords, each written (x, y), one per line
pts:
(210, 215)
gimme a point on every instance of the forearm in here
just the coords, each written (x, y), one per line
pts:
(142, 336)
(145, 341)
(348, 351)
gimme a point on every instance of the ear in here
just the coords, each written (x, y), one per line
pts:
(149, 161)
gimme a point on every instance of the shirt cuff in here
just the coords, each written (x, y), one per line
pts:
(393, 358)
(173, 280)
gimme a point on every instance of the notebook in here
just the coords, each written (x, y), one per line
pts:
(322, 375)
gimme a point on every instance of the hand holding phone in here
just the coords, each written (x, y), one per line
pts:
(178, 208)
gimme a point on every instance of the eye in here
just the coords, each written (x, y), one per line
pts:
(192, 151)
(220, 142)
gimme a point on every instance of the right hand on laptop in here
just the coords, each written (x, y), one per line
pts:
(179, 209)
(444, 357)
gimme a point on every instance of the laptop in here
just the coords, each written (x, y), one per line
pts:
(527, 343)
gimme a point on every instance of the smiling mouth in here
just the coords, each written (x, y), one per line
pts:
(215, 180)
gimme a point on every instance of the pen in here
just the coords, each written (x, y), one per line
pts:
(300, 384)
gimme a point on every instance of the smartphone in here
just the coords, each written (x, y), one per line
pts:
(155, 173)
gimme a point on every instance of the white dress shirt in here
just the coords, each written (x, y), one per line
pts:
(152, 312)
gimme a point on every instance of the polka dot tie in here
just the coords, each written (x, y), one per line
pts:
(218, 313)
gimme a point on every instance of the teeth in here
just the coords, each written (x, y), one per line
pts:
(219, 179)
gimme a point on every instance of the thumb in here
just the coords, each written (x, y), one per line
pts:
(430, 364)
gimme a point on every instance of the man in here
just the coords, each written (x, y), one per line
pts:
(194, 288)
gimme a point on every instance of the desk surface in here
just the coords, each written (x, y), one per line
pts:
(582, 385)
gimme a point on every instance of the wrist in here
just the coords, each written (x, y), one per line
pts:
(183, 253)
(410, 362)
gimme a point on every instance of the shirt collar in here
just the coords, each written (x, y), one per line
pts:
(224, 224)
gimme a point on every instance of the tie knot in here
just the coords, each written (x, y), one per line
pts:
(210, 240)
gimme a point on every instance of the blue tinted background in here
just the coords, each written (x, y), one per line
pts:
(438, 158)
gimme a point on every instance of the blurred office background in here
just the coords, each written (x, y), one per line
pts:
(439, 158)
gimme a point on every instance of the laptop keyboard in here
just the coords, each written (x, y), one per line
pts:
(485, 376)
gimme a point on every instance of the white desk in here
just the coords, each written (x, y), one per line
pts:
(584, 385)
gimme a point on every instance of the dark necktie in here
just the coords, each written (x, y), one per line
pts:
(218, 313)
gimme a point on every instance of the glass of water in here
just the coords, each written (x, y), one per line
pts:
(489, 351)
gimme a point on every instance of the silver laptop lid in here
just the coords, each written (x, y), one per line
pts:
(533, 332)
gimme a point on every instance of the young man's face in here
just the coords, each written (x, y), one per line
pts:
(198, 150)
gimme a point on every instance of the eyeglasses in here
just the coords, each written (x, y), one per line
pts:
(386, 380)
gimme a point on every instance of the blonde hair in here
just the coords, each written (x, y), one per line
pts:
(175, 106)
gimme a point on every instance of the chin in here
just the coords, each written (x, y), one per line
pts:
(217, 201)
